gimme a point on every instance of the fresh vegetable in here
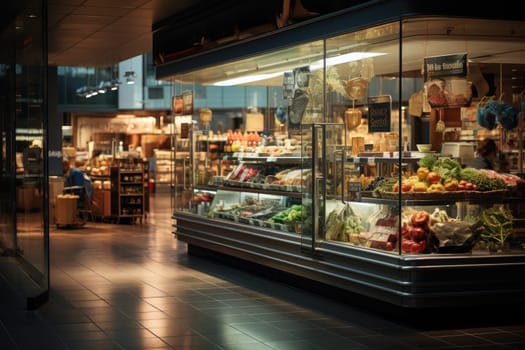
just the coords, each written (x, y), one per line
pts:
(289, 215)
(410, 246)
(496, 226)
(433, 177)
(386, 185)
(482, 180)
(420, 186)
(427, 161)
(447, 168)
(422, 173)
(420, 218)
(451, 184)
(436, 187)
(438, 216)
(467, 186)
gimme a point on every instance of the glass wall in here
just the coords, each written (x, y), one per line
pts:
(24, 233)
(92, 88)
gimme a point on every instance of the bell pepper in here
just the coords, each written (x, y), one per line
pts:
(436, 188)
(451, 184)
(422, 173)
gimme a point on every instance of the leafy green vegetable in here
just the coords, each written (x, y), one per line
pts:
(496, 226)
(447, 168)
(481, 179)
(385, 185)
(427, 161)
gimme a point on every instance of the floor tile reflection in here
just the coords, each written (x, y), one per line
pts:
(132, 286)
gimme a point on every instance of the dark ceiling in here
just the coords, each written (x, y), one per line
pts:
(105, 32)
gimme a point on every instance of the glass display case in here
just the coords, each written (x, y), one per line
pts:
(335, 188)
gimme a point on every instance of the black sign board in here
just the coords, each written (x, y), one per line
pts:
(379, 113)
(446, 66)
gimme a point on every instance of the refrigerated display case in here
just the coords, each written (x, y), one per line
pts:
(339, 195)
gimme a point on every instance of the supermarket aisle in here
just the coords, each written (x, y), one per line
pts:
(134, 287)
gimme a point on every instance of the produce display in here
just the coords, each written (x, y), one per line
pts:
(413, 231)
(268, 214)
(445, 176)
(421, 232)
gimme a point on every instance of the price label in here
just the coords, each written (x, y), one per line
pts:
(354, 191)
(271, 159)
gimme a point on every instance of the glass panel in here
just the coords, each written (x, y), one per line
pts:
(362, 93)
(88, 87)
(324, 157)
(23, 155)
(460, 66)
(374, 85)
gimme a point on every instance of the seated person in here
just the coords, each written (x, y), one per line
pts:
(74, 177)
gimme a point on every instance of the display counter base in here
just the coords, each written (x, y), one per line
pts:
(411, 282)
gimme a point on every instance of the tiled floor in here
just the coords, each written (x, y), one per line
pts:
(134, 287)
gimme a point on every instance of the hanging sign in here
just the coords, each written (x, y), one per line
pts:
(379, 113)
(177, 105)
(446, 66)
(446, 83)
(187, 102)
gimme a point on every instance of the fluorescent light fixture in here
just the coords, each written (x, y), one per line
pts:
(330, 61)
(101, 87)
(247, 79)
(345, 58)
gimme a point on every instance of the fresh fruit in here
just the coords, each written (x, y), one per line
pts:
(422, 173)
(436, 187)
(420, 187)
(451, 184)
(406, 186)
(433, 177)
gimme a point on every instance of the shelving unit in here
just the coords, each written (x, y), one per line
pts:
(164, 166)
(128, 200)
(101, 197)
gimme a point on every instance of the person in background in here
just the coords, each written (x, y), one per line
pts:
(73, 175)
(486, 153)
(74, 181)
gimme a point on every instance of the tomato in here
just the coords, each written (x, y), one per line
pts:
(405, 230)
(418, 247)
(406, 245)
(420, 218)
(406, 186)
(433, 177)
(418, 234)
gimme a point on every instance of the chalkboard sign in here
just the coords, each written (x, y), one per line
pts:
(379, 113)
